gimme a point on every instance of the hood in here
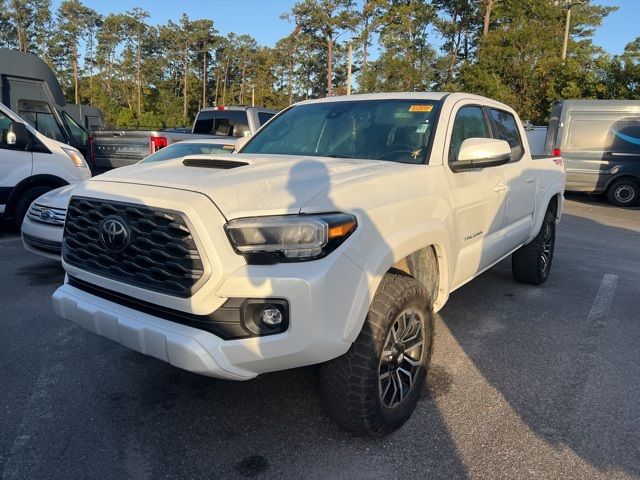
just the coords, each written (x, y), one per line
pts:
(252, 184)
(58, 198)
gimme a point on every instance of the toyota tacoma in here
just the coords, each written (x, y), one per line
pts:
(331, 238)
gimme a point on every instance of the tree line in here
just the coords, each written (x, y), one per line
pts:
(144, 75)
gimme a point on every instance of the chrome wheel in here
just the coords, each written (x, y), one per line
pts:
(547, 245)
(401, 358)
(624, 194)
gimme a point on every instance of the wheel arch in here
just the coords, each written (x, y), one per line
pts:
(28, 183)
(622, 176)
(552, 201)
(415, 251)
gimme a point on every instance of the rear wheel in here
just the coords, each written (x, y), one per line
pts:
(374, 387)
(531, 263)
(24, 202)
(623, 193)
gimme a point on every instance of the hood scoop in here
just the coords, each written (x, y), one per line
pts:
(212, 163)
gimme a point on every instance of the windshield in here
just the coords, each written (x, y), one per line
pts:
(181, 149)
(392, 130)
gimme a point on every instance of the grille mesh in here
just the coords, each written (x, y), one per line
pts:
(161, 256)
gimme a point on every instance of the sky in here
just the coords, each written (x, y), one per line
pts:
(261, 18)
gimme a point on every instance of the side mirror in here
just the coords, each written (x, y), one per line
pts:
(241, 142)
(18, 136)
(480, 153)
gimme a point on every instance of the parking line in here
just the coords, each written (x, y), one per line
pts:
(604, 298)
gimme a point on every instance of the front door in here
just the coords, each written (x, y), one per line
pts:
(478, 198)
(15, 165)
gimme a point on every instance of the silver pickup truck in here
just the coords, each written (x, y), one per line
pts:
(117, 148)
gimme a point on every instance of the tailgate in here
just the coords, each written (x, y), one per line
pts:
(119, 148)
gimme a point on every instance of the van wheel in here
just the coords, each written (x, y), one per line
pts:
(623, 193)
(24, 202)
(374, 387)
(531, 263)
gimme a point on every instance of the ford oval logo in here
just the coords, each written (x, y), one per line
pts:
(114, 234)
(46, 215)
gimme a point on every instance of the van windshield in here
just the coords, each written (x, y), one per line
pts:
(392, 130)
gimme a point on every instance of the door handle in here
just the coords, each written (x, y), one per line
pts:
(531, 179)
(501, 187)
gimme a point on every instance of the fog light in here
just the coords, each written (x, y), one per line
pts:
(271, 317)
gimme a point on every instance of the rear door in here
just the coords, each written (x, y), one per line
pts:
(478, 198)
(520, 177)
(15, 165)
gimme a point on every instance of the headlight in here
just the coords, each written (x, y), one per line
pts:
(75, 156)
(289, 238)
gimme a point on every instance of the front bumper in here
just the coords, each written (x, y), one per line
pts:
(320, 296)
(42, 238)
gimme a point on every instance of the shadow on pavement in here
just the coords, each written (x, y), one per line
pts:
(571, 377)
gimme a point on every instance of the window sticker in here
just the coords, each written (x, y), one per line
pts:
(420, 108)
(422, 127)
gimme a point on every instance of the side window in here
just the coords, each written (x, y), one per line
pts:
(469, 123)
(80, 135)
(263, 117)
(4, 128)
(506, 128)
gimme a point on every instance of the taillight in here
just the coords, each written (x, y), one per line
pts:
(92, 154)
(157, 143)
(221, 107)
(557, 152)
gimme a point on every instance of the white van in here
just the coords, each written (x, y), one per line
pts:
(32, 164)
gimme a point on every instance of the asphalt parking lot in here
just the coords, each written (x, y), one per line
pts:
(525, 382)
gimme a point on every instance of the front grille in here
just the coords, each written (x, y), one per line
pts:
(45, 214)
(160, 255)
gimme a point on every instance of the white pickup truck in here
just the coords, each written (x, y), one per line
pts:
(331, 238)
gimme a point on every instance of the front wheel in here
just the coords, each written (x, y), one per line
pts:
(531, 263)
(374, 387)
(623, 193)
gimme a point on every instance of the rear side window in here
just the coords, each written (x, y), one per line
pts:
(506, 128)
(469, 123)
(263, 117)
(225, 123)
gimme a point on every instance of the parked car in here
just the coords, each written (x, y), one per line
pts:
(43, 225)
(117, 148)
(32, 164)
(600, 144)
(331, 238)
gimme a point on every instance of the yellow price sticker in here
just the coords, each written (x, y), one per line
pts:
(420, 108)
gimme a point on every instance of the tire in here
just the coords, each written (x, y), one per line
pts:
(623, 193)
(24, 202)
(531, 263)
(360, 389)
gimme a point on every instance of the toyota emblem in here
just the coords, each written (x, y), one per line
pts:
(114, 234)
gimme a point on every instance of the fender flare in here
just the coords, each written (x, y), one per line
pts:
(551, 192)
(391, 250)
